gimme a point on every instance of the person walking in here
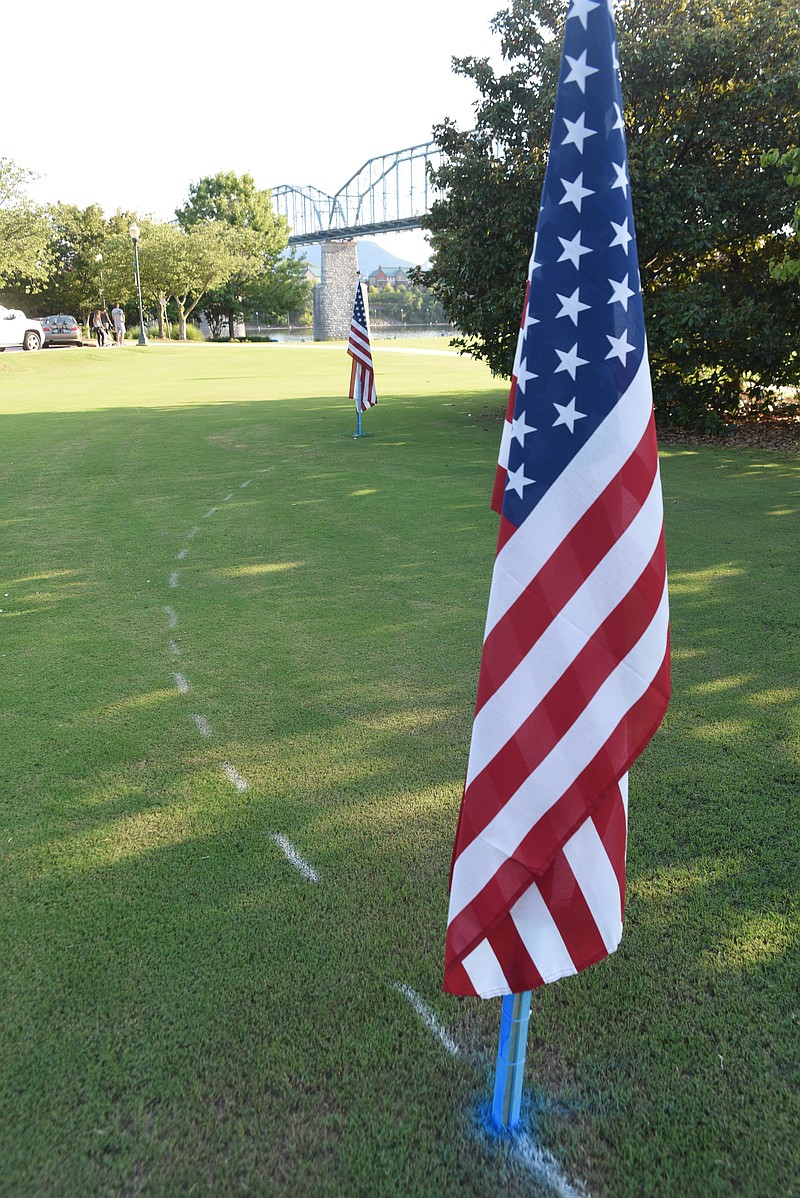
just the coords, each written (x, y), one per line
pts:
(97, 325)
(118, 316)
(105, 320)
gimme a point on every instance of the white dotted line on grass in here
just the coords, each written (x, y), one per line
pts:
(291, 854)
(233, 775)
(544, 1166)
(428, 1018)
(202, 725)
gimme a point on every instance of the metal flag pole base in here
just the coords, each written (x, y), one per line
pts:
(511, 1060)
(357, 433)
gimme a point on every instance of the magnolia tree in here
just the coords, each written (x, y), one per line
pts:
(788, 268)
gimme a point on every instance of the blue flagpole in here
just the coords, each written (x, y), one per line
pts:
(511, 1060)
(358, 406)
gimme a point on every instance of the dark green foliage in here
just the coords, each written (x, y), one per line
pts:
(704, 85)
(789, 268)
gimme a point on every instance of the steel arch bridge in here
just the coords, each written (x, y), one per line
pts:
(386, 194)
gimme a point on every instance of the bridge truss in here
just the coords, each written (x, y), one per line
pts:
(386, 194)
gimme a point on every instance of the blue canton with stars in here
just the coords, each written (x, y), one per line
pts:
(583, 337)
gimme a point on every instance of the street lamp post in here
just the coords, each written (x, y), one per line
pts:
(134, 232)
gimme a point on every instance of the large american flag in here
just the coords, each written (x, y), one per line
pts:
(574, 675)
(362, 372)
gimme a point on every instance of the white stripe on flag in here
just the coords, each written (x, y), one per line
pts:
(599, 885)
(484, 970)
(540, 935)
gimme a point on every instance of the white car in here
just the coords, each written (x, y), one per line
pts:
(16, 329)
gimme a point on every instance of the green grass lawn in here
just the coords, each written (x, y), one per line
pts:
(184, 1012)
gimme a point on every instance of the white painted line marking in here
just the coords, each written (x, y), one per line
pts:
(292, 855)
(203, 726)
(427, 1016)
(192, 533)
(182, 683)
(225, 498)
(172, 616)
(180, 556)
(173, 648)
(544, 1166)
(210, 512)
(173, 578)
(247, 484)
(234, 776)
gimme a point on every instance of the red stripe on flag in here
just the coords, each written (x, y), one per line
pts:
(509, 948)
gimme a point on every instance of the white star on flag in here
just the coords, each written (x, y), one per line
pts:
(571, 306)
(520, 429)
(620, 121)
(517, 480)
(622, 177)
(578, 71)
(623, 237)
(570, 360)
(574, 192)
(573, 249)
(620, 348)
(577, 132)
(581, 9)
(568, 415)
(524, 376)
(621, 292)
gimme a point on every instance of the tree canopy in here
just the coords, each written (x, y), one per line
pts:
(702, 81)
(24, 232)
(262, 280)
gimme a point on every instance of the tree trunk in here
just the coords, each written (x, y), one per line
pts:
(181, 321)
(231, 326)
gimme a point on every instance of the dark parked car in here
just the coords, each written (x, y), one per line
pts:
(61, 330)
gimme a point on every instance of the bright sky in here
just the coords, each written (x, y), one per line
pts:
(125, 106)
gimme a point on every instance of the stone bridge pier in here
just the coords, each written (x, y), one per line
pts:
(334, 294)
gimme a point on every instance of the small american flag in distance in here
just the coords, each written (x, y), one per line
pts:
(362, 373)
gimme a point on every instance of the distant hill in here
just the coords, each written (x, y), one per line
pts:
(370, 257)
